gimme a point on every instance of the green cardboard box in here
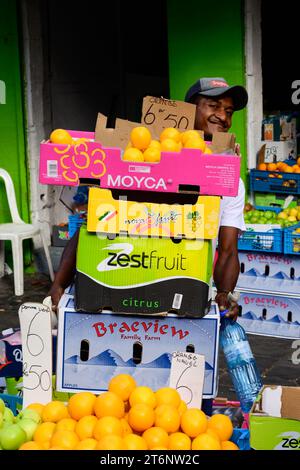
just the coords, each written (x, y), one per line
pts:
(275, 419)
(276, 200)
(143, 275)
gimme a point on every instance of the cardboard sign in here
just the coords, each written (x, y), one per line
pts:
(161, 113)
(35, 322)
(119, 214)
(187, 377)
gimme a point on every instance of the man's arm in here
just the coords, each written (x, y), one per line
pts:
(227, 268)
(66, 271)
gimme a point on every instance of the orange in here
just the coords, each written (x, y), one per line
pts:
(298, 161)
(193, 422)
(152, 155)
(107, 425)
(191, 134)
(222, 425)
(86, 444)
(207, 151)
(179, 441)
(141, 417)
(109, 404)
(228, 445)
(133, 155)
(195, 144)
(111, 442)
(85, 427)
(140, 137)
(122, 385)
(142, 394)
(297, 170)
(60, 136)
(54, 411)
(262, 167)
(271, 166)
(212, 433)
(170, 133)
(38, 407)
(125, 426)
(31, 445)
(205, 442)
(167, 396)
(169, 145)
(182, 407)
(67, 424)
(160, 448)
(134, 442)
(81, 404)
(156, 436)
(288, 169)
(167, 417)
(66, 439)
(44, 433)
(155, 144)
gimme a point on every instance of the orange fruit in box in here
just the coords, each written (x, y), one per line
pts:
(67, 424)
(191, 134)
(288, 169)
(141, 417)
(61, 136)
(133, 155)
(107, 425)
(228, 445)
(86, 444)
(197, 143)
(298, 161)
(54, 411)
(205, 442)
(155, 144)
(179, 441)
(85, 427)
(156, 436)
(111, 442)
(169, 145)
(43, 433)
(208, 151)
(222, 425)
(272, 166)
(38, 407)
(193, 422)
(142, 394)
(122, 385)
(140, 137)
(170, 133)
(262, 167)
(167, 396)
(152, 155)
(134, 442)
(81, 404)
(64, 439)
(167, 417)
(31, 445)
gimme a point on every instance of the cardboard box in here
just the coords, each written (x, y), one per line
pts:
(269, 273)
(283, 201)
(100, 163)
(270, 315)
(278, 128)
(111, 212)
(60, 235)
(273, 151)
(142, 275)
(92, 348)
(275, 419)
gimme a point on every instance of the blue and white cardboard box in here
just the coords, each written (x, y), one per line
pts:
(270, 315)
(109, 341)
(269, 273)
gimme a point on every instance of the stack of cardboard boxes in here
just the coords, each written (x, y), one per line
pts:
(144, 260)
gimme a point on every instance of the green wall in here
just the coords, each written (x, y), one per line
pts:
(12, 141)
(206, 39)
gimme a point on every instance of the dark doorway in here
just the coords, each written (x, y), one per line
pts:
(104, 57)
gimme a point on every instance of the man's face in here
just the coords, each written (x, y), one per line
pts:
(213, 114)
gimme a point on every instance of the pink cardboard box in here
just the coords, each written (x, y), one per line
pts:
(188, 170)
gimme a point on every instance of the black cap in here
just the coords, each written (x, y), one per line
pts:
(212, 87)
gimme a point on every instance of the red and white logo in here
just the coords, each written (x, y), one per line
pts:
(219, 84)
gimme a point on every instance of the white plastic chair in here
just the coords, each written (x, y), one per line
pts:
(16, 232)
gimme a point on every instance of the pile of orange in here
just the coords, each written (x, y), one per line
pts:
(61, 136)
(280, 167)
(128, 417)
(142, 148)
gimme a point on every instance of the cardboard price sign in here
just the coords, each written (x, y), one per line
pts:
(35, 322)
(160, 113)
(187, 377)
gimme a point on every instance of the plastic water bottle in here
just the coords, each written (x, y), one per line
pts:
(240, 362)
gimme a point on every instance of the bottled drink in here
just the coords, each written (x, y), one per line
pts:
(240, 362)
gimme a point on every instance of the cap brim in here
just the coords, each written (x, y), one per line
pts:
(238, 94)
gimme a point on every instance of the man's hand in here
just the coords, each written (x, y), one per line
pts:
(222, 300)
(55, 292)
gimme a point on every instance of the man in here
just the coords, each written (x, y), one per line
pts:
(216, 102)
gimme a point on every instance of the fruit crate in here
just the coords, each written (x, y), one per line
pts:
(270, 242)
(12, 402)
(269, 208)
(291, 240)
(75, 222)
(274, 182)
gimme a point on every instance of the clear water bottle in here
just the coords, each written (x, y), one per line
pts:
(240, 362)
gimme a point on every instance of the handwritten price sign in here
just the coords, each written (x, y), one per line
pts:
(187, 377)
(35, 322)
(161, 113)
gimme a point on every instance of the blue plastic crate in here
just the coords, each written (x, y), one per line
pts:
(12, 402)
(269, 242)
(75, 222)
(288, 183)
(269, 208)
(291, 240)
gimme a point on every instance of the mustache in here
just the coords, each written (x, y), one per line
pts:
(218, 122)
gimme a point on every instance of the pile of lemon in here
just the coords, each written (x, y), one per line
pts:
(142, 148)
(128, 417)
